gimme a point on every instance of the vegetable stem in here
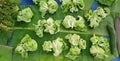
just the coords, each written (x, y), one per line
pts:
(77, 32)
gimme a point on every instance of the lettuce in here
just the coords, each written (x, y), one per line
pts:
(69, 22)
(100, 47)
(72, 5)
(57, 46)
(96, 16)
(43, 8)
(25, 15)
(73, 52)
(53, 6)
(80, 24)
(26, 44)
(77, 44)
(47, 46)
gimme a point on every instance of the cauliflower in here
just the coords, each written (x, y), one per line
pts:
(66, 4)
(73, 52)
(52, 26)
(73, 39)
(97, 52)
(48, 25)
(79, 3)
(57, 46)
(72, 5)
(47, 46)
(69, 22)
(39, 28)
(96, 16)
(100, 47)
(26, 44)
(80, 24)
(25, 15)
(53, 6)
(43, 8)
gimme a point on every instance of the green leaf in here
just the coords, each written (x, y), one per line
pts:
(40, 55)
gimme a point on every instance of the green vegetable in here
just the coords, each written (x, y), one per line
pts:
(25, 15)
(102, 12)
(100, 47)
(73, 52)
(72, 5)
(39, 28)
(107, 2)
(66, 4)
(82, 44)
(73, 39)
(52, 26)
(70, 22)
(80, 24)
(97, 52)
(53, 6)
(43, 8)
(79, 3)
(77, 44)
(26, 44)
(19, 49)
(48, 25)
(47, 46)
(57, 46)
(96, 16)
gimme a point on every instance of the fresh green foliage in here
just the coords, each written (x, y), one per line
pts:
(25, 15)
(96, 16)
(80, 24)
(72, 5)
(47, 46)
(73, 52)
(106, 2)
(48, 25)
(43, 8)
(77, 44)
(26, 44)
(100, 47)
(51, 6)
(71, 22)
(57, 46)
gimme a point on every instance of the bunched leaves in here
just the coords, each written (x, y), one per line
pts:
(100, 47)
(57, 46)
(72, 5)
(96, 16)
(77, 44)
(26, 44)
(71, 22)
(45, 6)
(48, 25)
(25, 15)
